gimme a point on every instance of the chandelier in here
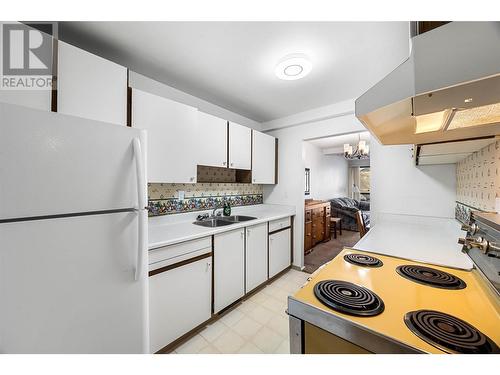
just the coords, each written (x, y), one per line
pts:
(362, 150)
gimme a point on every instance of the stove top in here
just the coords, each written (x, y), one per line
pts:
(348, 298)
(430, 276)
(363, 260)
(449, 333)
(384, 330)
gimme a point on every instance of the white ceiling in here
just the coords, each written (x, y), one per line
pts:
(336, 144)
(231, 64)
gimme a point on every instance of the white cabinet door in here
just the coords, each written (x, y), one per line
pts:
(212, 140)
(256, 256)
(263, 158)
(179, 300)
(279, 252)
(89, 86)
(229, 268)
(240, 146)
(171, 126)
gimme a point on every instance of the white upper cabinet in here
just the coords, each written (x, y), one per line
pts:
(263, 158)
(89, 86)
(212, 140)
(171, 126)
(240, 146)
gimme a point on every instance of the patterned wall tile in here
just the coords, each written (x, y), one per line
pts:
(177, 206)
(163, 198)
(478, 178)
(170, 191)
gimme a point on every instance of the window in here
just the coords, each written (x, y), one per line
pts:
(307, 189)
(364, 182)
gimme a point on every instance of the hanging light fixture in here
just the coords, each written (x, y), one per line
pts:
(362, 150)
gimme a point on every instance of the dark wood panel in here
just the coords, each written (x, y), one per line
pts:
(316, 223)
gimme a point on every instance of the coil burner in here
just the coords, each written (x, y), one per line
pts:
(348, 298)
(449, 333)
(431, 276)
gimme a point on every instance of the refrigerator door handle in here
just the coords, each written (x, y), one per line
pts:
(141, 200)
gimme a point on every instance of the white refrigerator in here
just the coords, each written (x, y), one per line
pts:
(73, 235)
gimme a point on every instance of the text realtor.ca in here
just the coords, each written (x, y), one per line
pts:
(27, 55)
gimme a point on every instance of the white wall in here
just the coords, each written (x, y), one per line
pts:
(328, 172)
(290, 187)
(399, 187)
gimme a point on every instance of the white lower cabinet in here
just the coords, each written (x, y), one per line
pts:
(255, 256)
(179, 300)
(229, 268)
(279, 252)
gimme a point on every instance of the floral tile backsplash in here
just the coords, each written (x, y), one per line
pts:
(164, 198)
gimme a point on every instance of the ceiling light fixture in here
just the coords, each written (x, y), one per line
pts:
(293, 67)
(362, 150)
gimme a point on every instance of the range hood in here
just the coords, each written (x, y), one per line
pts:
(448, 89)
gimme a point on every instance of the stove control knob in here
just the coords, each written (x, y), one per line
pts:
(471, 229)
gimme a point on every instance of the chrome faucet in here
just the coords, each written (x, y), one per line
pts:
(214, 212)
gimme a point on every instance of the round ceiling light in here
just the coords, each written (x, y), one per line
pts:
(293, 67)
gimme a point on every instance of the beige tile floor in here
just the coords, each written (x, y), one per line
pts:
(258, 325)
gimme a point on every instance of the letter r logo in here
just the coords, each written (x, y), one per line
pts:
(26, 51)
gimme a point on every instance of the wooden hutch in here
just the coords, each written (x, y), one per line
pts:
(317, 223)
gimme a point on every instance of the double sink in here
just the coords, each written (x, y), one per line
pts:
(222, 221)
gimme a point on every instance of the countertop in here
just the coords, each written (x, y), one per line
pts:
(172, 229)
(422, 239)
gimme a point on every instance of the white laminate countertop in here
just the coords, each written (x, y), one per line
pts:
(422, 239)
(171, 229)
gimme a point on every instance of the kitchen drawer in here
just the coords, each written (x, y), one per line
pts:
(167, 255)
(279, 224)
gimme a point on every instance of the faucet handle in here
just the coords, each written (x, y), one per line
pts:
(202, 217)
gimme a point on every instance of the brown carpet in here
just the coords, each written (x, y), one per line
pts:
(326, 251)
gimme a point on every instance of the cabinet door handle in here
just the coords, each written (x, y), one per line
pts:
(232, 164)
(248, 232)
(208, 266)
(191, 178)
(224, 162)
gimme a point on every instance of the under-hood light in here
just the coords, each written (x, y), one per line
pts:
(431, 122)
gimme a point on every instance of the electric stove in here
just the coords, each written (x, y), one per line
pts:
(362, 302)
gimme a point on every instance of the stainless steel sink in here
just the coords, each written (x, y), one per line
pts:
(239, 218)
(212, 223)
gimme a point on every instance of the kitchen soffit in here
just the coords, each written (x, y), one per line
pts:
(231, 64)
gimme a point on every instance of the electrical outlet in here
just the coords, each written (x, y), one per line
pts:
(181, 194)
